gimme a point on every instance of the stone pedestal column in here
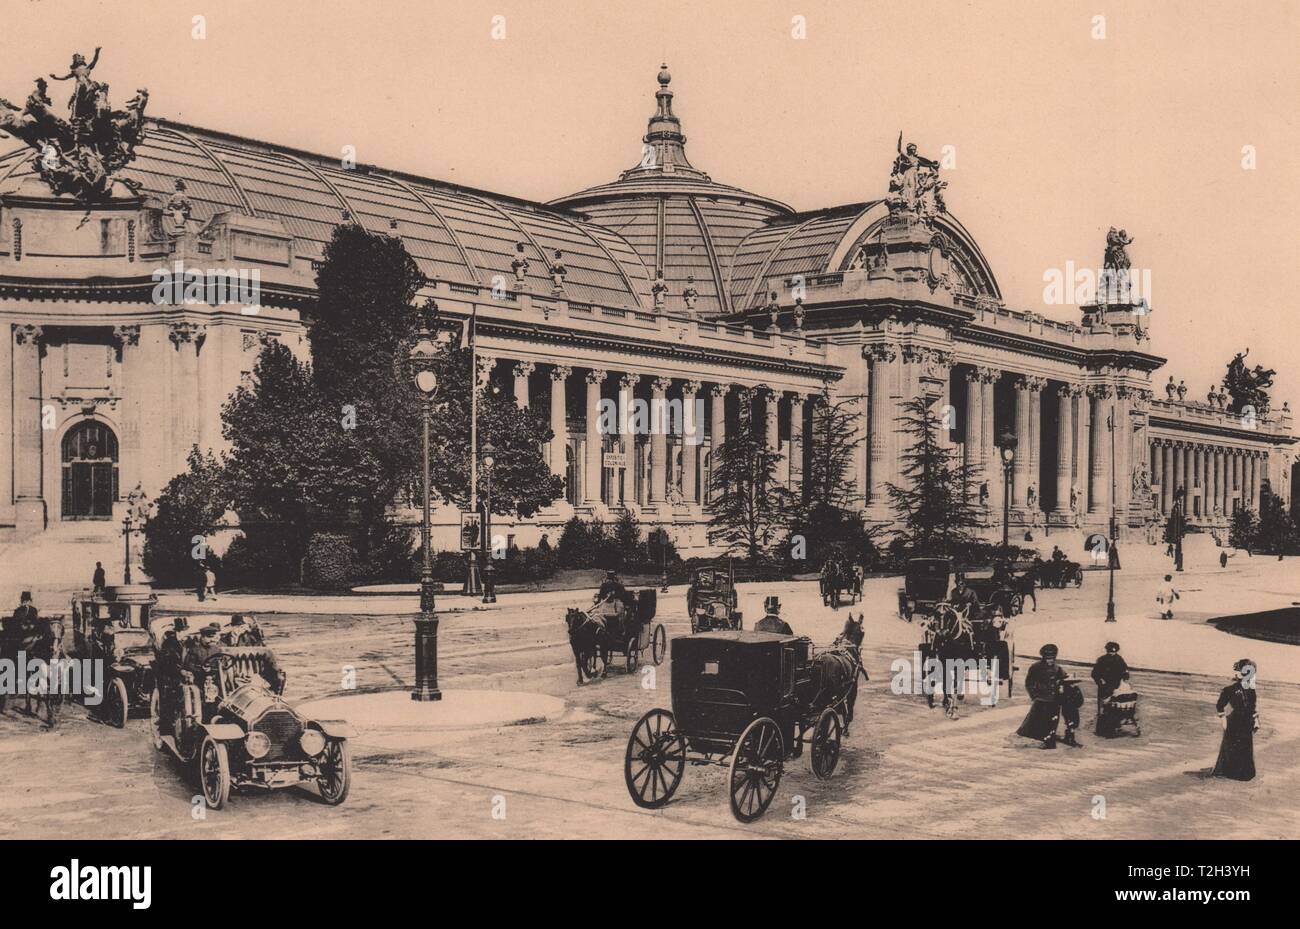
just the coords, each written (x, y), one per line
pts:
(594, 445)
(1099, 396)
(522, 370)
(884, 374)
(1170, 476)
(989, 454)
(559, 420)
(29, 439)
(973, 434)
(658, 442)
(1124, 453)
(1082, 446)
(771, 422)
(1036, 385)
(1254, 481)
(796, 445)
(692, 434)
(1064, 439)
(627, 440)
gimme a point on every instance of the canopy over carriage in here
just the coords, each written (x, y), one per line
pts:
(629, 627)
(747, 701)
(926, 583)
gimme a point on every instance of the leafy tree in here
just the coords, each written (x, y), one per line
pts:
(936, 503)
(522, 482)
(834, 440)
(1276, 533)
(190, 505)
(749, 509)
(1243, 529)
(627, 539)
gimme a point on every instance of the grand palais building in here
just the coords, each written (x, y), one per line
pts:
(668, 284)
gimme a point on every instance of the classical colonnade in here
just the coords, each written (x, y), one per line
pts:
(1214, 476)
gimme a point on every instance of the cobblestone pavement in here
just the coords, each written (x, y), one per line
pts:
(906, 772)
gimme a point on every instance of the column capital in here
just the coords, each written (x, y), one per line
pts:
(561, 372)
(1100, 391)
(1031, 382)
(127, 335)
(596, 376)
(1076, 390)
(973, 376)
(719, 391)
(26, 333)
(797, 399)
(524, 368)
(628, 380)
(989, 375)
(182, 332)
(660, 385)
(691, 388)
(880, 352)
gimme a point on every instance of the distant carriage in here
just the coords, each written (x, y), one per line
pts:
(926, 583)
(960, 642)
(711, 600)
(837, 579)
(617, 626)
(1059, 573)
(746, 701)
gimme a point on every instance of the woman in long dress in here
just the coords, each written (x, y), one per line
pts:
(1240, 720)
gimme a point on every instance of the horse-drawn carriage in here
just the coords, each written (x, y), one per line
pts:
(1058, 572)
(996, 595)
(747, 701)
(982, 647)
(45, 678)
(618, 624)
(838, 578)
(926, 584)
(711, 601)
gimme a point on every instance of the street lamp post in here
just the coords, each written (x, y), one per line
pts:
(489, 570)
(426, 624)
(126, 554)
(1007, 445)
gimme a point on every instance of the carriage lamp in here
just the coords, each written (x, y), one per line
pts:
(422, 358)
(489, 582)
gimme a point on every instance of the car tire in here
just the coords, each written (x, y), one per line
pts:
(155, 719)
(334, 789)
(117, 705)
(214, 773)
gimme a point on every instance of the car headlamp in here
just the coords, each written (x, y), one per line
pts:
(257, 744)
(312, 742)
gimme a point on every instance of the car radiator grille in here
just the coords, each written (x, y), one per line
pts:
(283, 729)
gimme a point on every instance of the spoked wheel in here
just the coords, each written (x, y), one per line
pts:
(214, 773)
(335, 772)
(826, 738)
(116, 704)
(1078, 578)
(155, 719)
(589, 666)
(1017, 605)
(655, 760)
(755, 771)
(1011, 668)
(658, 644)
(633, 654)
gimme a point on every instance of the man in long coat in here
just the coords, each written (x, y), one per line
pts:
(1052, 693)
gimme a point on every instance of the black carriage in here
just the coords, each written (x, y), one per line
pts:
(997, 596)
(47, 684)
(926, 584)
(711, 601)
(630, 630)
(992, 646)
(741, 700)
(1060, 573)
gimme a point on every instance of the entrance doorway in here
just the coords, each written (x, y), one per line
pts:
(89, 471)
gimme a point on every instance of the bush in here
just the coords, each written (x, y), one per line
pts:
(587, 545)
(263, 557)
(191, 504)
(330, 562)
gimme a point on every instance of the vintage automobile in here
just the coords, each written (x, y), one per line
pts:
(127, 653)
(239, 733)
(746, 701)
(711, 600)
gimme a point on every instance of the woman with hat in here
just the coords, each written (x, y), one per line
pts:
(1240, 720)
(1051, 691)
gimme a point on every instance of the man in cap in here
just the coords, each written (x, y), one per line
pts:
(963, 598)
(1108, 672)
(195, 668)
(16, 629)
(611, 587)
(772, 621)
(1053, 694)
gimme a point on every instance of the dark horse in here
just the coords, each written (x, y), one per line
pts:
(950, 639)
(836, 578)
(589, 639)
(835, 671)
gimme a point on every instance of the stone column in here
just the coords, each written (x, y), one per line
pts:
(1036, 385)
(559, 420)
(658, 442)
(1225, 482)
(772, 422)
(717, 427)
(627, 440)
(1170, 475)
(1124, 453)
(884, 375)
(989, 453)
(1064, 439)
(1022, 462)
(1213, 491)
(522, 370)
(595, 447)
(187, 338)
(29, 439)
(796, 444)
(1099, 396)
(1082, 428)
(1254, 481)
(692, 435)
(973, 435)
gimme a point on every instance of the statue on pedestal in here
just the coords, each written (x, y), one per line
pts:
(659, 291)
(914, 184)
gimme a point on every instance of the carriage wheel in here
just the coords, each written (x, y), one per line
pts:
(1011, 669)
(1017, 605)
(755, 770)
(655, 760)
(658, 644)
(1078, 578)
(633, 654)
(589, 666)
(826, 744)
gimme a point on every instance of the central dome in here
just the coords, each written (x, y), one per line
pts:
(685, 226)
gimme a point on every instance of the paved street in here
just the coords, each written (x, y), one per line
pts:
(907, 771)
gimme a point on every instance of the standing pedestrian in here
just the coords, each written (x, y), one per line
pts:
(99, 581)
(210, 582)
(1109, 671)
(1239, 717)
(1053, 694)
(1165, 597)
(201, 579)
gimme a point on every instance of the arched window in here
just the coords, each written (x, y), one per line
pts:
(89, 456)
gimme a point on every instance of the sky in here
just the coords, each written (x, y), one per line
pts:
(1060, 125)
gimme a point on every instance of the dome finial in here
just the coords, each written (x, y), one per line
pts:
(664, 77)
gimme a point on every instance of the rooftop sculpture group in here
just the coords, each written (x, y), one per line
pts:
(914, 185)
(77, 155)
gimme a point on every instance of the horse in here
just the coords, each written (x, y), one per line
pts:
(835, 671)
(950, 638)
(835, 579)
(589, 639)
